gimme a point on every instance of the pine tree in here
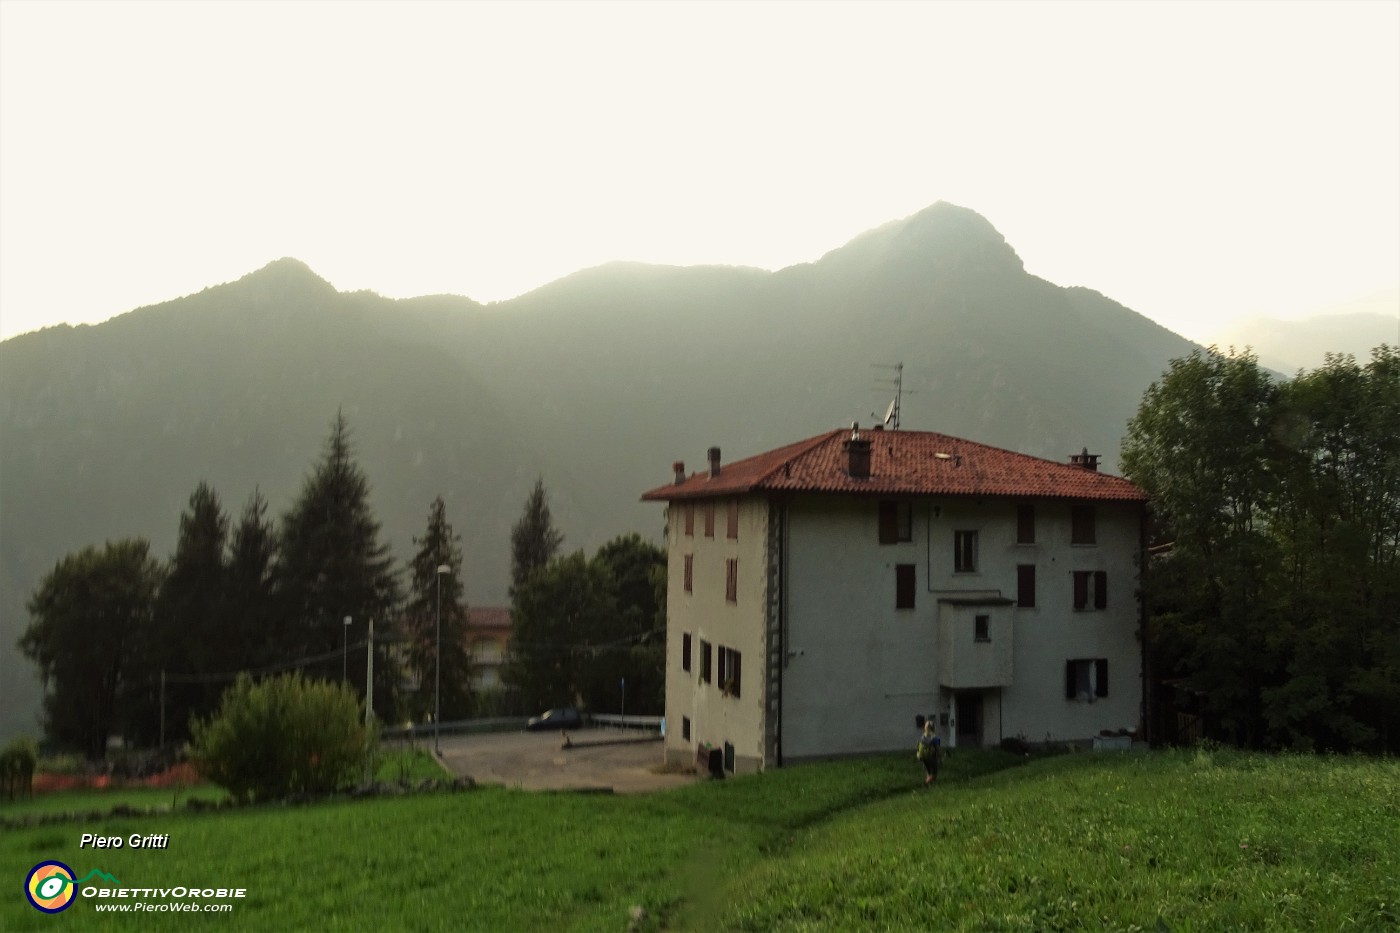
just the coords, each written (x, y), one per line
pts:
(332, 566)
(439, 547)
(252, 617)
(188, 629)
(534, 541)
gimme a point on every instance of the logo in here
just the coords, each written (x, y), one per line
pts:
(50, 887)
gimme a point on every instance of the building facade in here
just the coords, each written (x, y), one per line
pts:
(823, 594)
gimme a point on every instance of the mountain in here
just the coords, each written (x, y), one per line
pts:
(1288, 346)
(597, 382)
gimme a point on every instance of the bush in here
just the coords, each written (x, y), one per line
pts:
(282, 736)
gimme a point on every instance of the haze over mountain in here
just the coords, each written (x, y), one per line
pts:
(597, 382)
(1289, 345)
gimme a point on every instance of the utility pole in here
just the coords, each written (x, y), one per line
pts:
(369, 676)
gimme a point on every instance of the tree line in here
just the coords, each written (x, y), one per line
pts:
(129, 645)
(1274, 592)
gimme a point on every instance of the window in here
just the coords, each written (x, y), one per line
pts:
(731, 525)
(1025, 524)
(896, 522)
(685, 728)
(690, 519)
(1025, 585)
(690, 573)
(709, 519)
(964, 551)
(1086, 678)
(981, 628)
(685, 651)
(730, 663)
(904, 586)
(1081, 519)
(704, 661)
(1090, 589)
(731, 580)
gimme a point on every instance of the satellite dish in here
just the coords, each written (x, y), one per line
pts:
(889, 412)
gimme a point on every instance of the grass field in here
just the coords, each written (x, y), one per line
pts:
(1185, 841)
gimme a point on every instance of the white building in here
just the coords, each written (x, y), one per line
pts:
(822, 594)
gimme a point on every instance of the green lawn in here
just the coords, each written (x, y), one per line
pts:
(1203, 841)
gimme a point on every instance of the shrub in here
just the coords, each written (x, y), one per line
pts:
(282, 736)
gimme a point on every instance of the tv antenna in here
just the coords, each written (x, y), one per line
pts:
(891, 419)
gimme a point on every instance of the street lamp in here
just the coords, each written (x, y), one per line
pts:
(437, 673)
(345, 650)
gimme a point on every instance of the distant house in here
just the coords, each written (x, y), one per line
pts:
(487, 636)
(822, 594)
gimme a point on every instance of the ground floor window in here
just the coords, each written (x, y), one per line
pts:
(1086, 678)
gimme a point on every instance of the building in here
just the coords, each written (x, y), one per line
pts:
(487, 636)
(822, 594)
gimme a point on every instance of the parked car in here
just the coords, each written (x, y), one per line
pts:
(564, 717)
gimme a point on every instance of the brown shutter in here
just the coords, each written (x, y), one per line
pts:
(904, 586)
(1100, 589)
(1081, 589)
(889, 522)
(1101, 677)
(1025, 524)
(1069, 680)
(1025, 585)
(736, 672)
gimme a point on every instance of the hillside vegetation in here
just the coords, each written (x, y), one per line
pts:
(1182, 841)
(597, 382)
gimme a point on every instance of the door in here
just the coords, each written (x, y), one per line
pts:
(968, 711)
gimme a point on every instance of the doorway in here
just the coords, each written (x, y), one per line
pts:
(968, 711)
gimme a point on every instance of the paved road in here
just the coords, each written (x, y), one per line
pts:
(598, 758)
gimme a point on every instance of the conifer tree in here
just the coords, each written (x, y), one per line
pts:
(534, 541)
(252, 618)
(439, 547)
(332, 565)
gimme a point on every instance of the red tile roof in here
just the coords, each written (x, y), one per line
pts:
(903, 463)
(483, 617)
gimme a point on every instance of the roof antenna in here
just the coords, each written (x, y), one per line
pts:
(892, 413)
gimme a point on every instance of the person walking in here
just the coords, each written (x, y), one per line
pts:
(930, 750)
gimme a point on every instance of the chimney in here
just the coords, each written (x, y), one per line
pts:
(679, 469)
(714, 462)
(857, 454)
(1085, 459)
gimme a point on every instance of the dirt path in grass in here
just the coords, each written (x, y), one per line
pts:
(597, 760)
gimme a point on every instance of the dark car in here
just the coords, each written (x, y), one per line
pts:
(565, 717)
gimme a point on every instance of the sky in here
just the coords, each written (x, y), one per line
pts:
(1198, 162)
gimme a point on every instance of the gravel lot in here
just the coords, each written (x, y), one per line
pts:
(598, 759)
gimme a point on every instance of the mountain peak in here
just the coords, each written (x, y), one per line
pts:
(287, 273)
(942, 234)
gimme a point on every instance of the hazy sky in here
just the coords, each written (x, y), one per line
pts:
(1196, 161)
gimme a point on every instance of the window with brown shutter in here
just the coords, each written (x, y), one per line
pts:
(896, 522)
(981, 628)
(1086, 678)
(1082, 525)
(729, 673)
(709, 519)
(964, 551)
(731, 580)
(731, 529)
(1090, 589)
(690, 519)
(1025, 585)
(685, 651)
(1100, 589)
(705, 658)
(1025, 524)
(690, 573)
(904, 586)
(1081, 589)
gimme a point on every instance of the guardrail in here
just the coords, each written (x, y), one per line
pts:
(458, 727)
(608, 720)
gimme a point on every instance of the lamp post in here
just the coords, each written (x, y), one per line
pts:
(437, 661)
(345, 650)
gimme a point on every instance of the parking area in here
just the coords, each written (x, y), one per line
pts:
(597, 759)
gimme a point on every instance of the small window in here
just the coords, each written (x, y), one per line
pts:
(904, 586)
(709, 519)
(685, 651)
(730, 673)
(705, 658)
(731, 523)
(1082, 530)
(690, 573)
(1025, 585)
(731, 580)
(1025, 524)
(964, 551)
(685, 728)
(690, 519)
(896, 522)
(1086, 679)
(1090, 589)
(982, 628)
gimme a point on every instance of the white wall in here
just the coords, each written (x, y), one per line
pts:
(707, 615)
